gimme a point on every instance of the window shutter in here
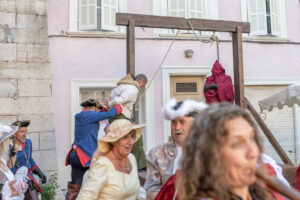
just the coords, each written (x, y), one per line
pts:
(257, 17)
(274, 14)
(196, 9)
(87, 14)
(122, 8)
(109, 8)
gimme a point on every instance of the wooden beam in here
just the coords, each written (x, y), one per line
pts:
(238, 66)
(268, 133)
(130, 40)
(152, 21)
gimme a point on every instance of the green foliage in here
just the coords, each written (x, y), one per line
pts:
(49, 189)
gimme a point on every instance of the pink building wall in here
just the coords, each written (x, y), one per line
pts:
(92, 58)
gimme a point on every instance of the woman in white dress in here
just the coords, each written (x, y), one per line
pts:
(14, 186)
(113, 173)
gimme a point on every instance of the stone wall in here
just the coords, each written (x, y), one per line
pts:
(25, 78)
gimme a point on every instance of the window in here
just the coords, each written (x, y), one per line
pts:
(99, 94)
(202, 9)
(186, 8)
(266, 17)
(95, 15)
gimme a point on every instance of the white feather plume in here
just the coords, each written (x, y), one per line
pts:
(186, 107)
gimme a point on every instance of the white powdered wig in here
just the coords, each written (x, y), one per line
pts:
(188, 106)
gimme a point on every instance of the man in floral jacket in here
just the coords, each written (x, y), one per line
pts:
(161, 159)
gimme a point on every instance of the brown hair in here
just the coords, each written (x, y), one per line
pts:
(203, 171)
(141, 77)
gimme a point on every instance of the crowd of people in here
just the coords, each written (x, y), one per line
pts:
(213, 153)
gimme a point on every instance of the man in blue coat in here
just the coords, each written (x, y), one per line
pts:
(85, 142)
(21, 155)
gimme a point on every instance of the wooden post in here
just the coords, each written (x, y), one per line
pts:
(130, 46)
(238, 66)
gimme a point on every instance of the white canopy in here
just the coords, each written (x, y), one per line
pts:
(287, 96)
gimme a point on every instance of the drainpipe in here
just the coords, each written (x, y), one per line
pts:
(297, 132)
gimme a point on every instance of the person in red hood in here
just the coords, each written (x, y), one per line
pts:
(218, 87)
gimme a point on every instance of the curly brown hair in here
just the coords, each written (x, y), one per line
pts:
(202, 173)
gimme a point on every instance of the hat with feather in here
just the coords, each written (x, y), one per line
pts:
(189, 107)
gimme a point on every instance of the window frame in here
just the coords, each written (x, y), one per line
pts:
(74, 18)
(282, 21)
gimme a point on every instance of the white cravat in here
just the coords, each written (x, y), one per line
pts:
(177, 161)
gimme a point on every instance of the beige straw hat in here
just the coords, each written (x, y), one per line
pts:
(116, 130)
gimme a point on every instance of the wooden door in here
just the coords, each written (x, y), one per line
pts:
(187, 87)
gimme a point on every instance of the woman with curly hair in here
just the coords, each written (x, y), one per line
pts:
(220, 157)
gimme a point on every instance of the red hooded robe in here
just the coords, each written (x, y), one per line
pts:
(224, 85)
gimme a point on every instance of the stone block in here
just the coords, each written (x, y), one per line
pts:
(10, 35)
(7, 87)
(38, 70)
(7, 65)
(34, 22)
(8, 70)
(2, 35)
(25, 70)
(39, 123)
(7, 35)
(46, 160)
(40, 7)
(8, 19)
(47, 141)
(32, 53)
(32, 7)
(8, 6)
(34, 87)
(35, 105)
(29, 36)
(26, 106)
(35, 139)
(8, 52)
(8, 119)
(8, 106)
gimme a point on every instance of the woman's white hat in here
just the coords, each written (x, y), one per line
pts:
(6, 131)
(116, 130)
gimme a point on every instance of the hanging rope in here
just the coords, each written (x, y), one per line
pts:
(192, 27)
(161, 63)
(212, 38)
